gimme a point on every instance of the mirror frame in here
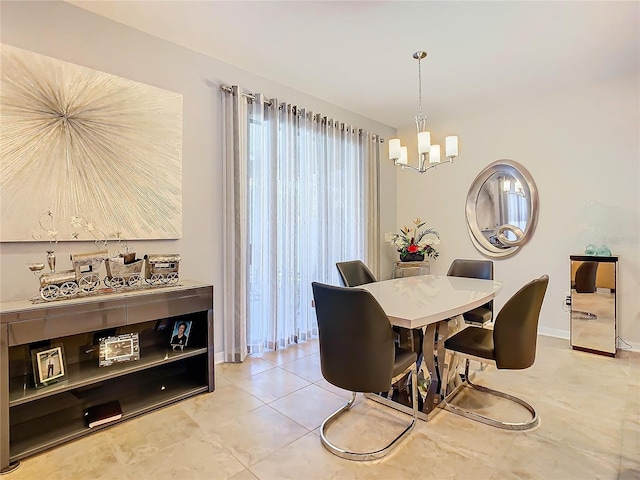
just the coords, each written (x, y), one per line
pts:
(517, 171)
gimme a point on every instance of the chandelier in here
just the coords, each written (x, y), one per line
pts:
(428, 155)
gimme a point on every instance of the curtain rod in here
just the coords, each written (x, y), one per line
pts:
(228, 89)
(252, 96)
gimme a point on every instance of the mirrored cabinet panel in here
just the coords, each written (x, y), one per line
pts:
(593, 303)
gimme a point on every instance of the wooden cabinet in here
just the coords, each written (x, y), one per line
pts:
(35, 419)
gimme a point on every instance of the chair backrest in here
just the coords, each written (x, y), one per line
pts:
(586, 277)
(515, 331)
(482, 269)
(356, 341)
(354, 273)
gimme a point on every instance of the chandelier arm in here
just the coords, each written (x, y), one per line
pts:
(408, 166)
(420, 169)
(422, 161)
(425, 169)
(433, 165)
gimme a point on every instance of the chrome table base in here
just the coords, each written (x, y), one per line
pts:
(433, 360)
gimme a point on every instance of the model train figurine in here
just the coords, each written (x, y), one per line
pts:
(124, 271)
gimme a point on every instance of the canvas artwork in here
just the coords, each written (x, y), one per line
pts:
(79, 142)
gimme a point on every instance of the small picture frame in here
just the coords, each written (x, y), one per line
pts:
(180, 334)
(48, 365)
(119, 348)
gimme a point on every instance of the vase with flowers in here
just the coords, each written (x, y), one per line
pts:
(416, 243)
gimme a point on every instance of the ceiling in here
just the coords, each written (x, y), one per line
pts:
(358, 54)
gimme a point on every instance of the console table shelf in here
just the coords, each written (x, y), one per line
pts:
(35, 419)
(88, 373)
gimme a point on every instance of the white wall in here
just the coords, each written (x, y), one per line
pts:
(68, 33)
(581, 145)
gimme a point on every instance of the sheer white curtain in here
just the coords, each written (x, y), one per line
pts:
(235, 146)
(370, 151)
(311, 196)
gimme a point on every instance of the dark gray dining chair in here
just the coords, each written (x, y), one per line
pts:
(482, 269)
(510, 345)
(358, 353)
(354, 273)
(585, 282)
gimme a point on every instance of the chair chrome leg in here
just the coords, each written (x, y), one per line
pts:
(10, 468)
(535, 420)
(361, 456)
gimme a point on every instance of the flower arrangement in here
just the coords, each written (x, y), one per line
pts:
(416, 242)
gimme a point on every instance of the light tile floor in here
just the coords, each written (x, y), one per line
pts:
(262, 423)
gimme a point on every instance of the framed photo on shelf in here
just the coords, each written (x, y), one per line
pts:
(48, 365)
(180, 334)
(118, 349)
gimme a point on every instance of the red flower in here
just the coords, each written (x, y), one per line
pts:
(412, 248)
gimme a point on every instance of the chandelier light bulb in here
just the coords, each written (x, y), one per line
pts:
(394, 148)
(434, 154)
(424, 142)
(451, 146)
(403, 160)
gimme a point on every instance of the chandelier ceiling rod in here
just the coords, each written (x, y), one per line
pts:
(398, 153)
(419, 56)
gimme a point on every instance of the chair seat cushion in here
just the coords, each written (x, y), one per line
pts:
(472, 341)
(404, 359)
(479, 315)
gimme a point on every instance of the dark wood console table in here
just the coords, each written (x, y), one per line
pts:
(35, 419)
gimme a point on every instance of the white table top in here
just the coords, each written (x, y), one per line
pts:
(414, 302)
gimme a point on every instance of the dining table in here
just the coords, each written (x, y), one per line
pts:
(433, 304)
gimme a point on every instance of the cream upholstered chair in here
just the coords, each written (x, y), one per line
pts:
(510, 345)
(358, 353)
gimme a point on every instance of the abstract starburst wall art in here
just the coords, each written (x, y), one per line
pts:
(78, 141)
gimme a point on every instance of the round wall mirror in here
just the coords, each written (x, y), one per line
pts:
(502, 208)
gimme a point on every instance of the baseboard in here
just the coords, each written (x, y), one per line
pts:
(565, 335)
(627, 345)
(547, 332)
(554, 332)
(218, 358)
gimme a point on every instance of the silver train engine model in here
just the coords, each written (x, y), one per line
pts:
(124, 271)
